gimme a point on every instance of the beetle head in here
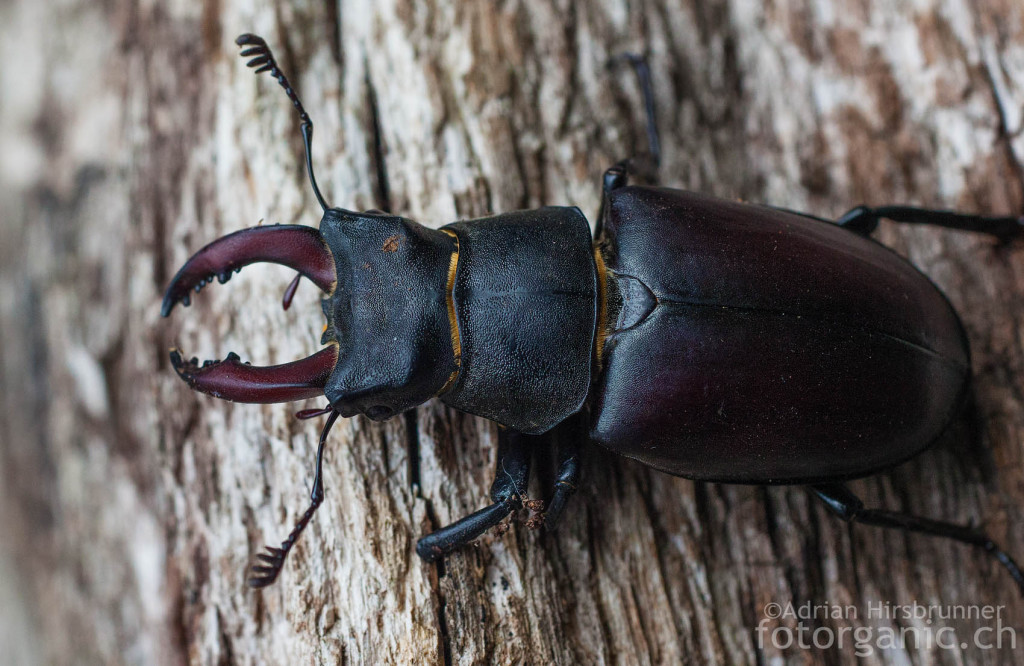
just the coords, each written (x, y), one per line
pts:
(388, 313)
(391, 335)
(389, 331)
(389, 307)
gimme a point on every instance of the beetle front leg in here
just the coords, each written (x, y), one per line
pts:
(508, 492)
(842, 502)
(571, 434)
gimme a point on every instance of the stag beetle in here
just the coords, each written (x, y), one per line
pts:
(709, 339)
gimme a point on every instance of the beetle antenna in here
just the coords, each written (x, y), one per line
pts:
(264, 62)
(273, 559)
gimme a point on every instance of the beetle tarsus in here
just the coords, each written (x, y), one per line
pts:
(847, 506)
(273, 559)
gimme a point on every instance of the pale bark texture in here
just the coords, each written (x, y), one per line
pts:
(131, 134)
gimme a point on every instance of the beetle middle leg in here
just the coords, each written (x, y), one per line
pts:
(508, 491)
(864, 220)
(618, 174)
(571, 436)
(643, 76)
(842, 502)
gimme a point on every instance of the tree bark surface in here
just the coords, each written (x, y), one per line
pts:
(130, 507)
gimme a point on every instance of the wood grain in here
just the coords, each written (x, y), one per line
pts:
(132, 134)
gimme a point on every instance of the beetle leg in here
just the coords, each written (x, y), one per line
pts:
(615, 177)
(864, 220)
(618, 175)
(850, 508)
(507, 492)
(643, 76)
(571, 436)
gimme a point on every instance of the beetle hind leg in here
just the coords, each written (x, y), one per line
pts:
(850, 508)
(507, 492)
(648, 164)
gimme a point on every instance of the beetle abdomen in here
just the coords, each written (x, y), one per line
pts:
(768, 345)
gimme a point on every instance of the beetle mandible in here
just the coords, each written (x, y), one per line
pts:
(709, 339)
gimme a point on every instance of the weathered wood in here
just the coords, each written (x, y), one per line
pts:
(132, 134)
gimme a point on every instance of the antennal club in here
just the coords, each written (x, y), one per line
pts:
(264, 62)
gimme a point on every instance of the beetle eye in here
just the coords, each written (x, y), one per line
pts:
(378, 412)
